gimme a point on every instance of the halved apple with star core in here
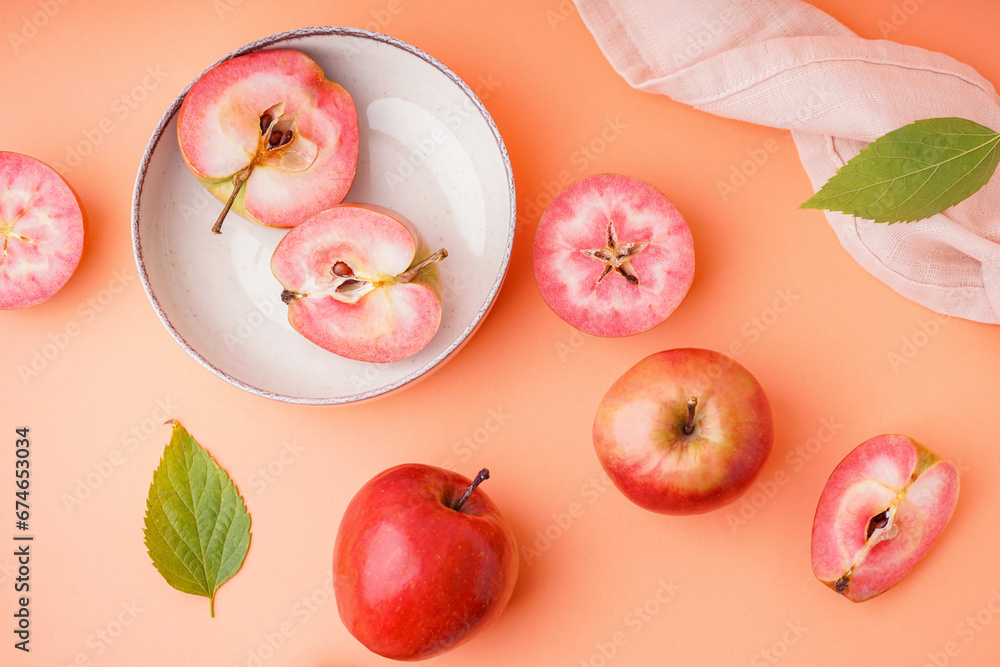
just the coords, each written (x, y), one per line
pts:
(882, 509)
(267, 134)
(360, 282)
(41, 231)
(612, 255)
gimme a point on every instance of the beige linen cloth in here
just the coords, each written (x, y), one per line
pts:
(786, 64)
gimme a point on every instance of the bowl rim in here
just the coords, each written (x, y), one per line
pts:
(433, 364)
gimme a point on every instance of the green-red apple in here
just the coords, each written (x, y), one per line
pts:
(684, 431)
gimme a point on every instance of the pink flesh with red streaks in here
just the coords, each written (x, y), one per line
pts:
(218, 129)
(392, 319)
(41, 231)
(888, 471)
(578, 221)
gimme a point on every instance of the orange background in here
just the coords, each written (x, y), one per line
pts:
(605, 578)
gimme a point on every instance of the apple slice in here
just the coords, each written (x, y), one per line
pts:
(883, 507)
(270, 136)
(41, 228)
(360, 283)
(612, 255)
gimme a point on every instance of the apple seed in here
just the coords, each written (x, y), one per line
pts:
(878, 521)
(265, 122)
(352, 290)
(342, 269)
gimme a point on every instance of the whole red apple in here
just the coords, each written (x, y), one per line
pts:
(684, 431)
(423, 561)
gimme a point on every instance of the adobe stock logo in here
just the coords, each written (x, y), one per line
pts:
(968, 629)
(632, 624)
(747, 169)
(780, 648)
(32, 23)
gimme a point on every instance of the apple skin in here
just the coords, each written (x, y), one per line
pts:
(640, 440)
(414, 577)
(857, 550)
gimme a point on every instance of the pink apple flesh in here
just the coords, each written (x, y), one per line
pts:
(413, 576)
(882, 509)
(41, 231)
(684, 431)
(359, 282)
(269, 132)
(612, 255)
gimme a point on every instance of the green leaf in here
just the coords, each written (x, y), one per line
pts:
(914, 172)
(197, 528)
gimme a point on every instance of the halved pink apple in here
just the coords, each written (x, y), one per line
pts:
(41, 229)
(612, 255)
(882, 509)
(270, 136)
(360, 283)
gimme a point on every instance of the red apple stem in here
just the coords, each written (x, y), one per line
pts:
(238, 180)
(483, 475)
(692, 404)
(411, 273)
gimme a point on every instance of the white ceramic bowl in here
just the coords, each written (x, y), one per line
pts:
(429, 150)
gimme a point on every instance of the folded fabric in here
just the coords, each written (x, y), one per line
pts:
(786, 64)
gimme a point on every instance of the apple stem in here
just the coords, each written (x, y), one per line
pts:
(689, 424)
(238, 180)
(411, 273)
(483, 475)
